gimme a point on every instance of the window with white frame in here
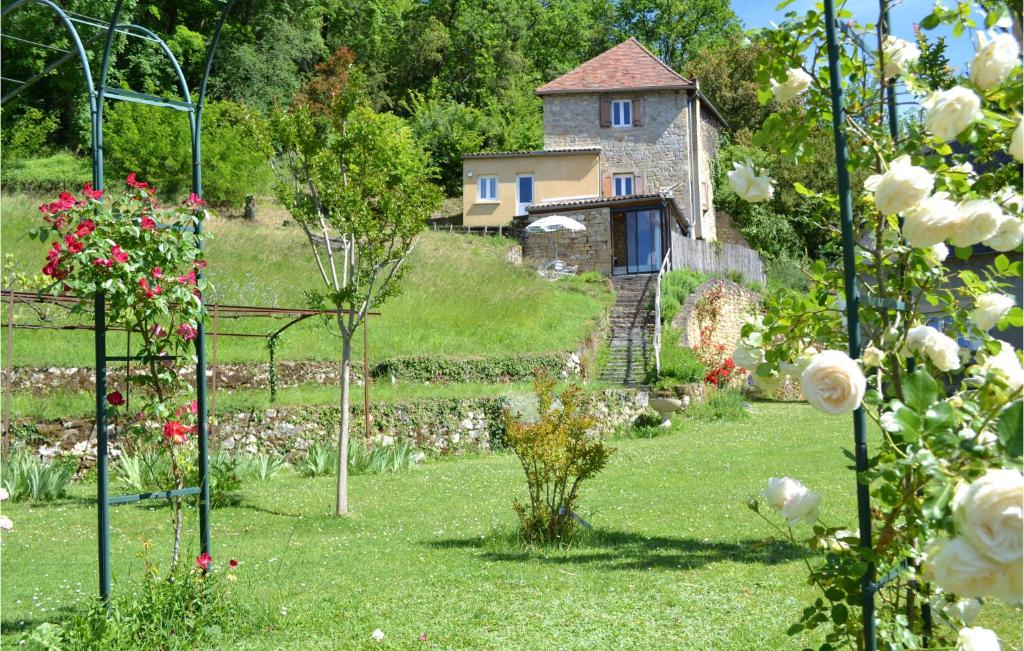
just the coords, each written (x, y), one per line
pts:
(487, 188)
(622, 113)
(622, 184)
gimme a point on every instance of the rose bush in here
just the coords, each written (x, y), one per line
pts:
(946, 490)
(113, 248)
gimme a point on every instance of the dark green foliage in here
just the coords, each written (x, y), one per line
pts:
(933, 64)
(46, 175)
(155, 144)
(720, 405)
(27, 477)
(676, 287)
(646, 426)
(446, 129)
(558, 453)
(496, 368)
(676, 30)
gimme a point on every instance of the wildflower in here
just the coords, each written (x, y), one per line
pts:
(115, 398)
(378, 635)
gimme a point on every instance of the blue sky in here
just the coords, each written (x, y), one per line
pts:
(757, 13)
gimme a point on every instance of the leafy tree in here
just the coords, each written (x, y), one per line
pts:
(447, 130)
(360, 187)
(676, 30)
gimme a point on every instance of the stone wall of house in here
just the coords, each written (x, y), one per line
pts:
(656, 153)
(709, 130)
(734, 304)
(590, 250)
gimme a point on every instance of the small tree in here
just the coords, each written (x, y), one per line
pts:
(358, 185)
(558, 453)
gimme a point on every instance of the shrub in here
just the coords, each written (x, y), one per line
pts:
(646, 426)
(46, 174)
(149, 470)
(720, 405)
(322, 460)
(156, 144)
(28, 477)
(495, 368)
(25, 136)
(558, 453)
(676, 287)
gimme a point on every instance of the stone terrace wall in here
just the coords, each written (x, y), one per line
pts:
(591, 249)
(735, 305)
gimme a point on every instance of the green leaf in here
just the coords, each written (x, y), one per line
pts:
(920, 390)
(1009, 429)
(840, 614)
(802, 189)
(931, 21)
(935, 504)
(963, 252)
(794, 629)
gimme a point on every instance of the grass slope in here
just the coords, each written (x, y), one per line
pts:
(676, 560)
(460, 297)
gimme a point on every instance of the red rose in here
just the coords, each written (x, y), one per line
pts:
(73, 243)
(95, 195)
(115, 398)
(103, 262)
(194, 201)
(187, 332)
(133, 182)
(232, 563)
(117, 254)
(188, 279)
(176, 433)
(85, 227)
(157, 272)
(203, 561)
(147, 224)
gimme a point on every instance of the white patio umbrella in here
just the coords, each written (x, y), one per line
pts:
(553, 224)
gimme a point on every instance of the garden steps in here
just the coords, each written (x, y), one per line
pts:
(631, 330)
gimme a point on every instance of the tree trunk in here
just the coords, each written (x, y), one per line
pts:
(346, 365)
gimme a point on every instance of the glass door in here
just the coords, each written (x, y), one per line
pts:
(524, 193)
(643, 241)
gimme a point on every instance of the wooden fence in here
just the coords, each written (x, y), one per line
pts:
(716, 258)
(470, 230)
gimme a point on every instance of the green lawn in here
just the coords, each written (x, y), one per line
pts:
(460, 297)
(676, 560)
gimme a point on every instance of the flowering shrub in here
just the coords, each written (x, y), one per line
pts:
(722, 371)
(945, 481)
(148, 277)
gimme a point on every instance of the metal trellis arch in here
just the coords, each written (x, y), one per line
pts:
(97, 93)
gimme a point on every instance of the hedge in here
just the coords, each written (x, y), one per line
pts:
(497, 368)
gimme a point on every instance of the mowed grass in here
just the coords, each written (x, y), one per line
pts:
(676, 560)
(460, 297)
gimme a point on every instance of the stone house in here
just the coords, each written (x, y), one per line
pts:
(628, 145)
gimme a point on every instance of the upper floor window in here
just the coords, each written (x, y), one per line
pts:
(487, 188)
(622, 113)
(622, 184)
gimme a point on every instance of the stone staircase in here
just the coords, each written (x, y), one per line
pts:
(631, 325)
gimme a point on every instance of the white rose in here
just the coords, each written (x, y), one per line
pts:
(957, 567)
(833, 383)
(916, 338)
(951, 111)
(836, 543)
(994, 60)
(889, 422)
(931, 221)
(966, 610)
(989, 309)
(903, 186)
(989, 514)
(747, 356)
(748, 185)
(797, 367)
(943, 351)
(939, 252)
(977, 638)
(1017, 141)
(1008, 236)
(899, 54)
(797, 81)
(1007, 364)
(872, 356)
(794, 501)
(979, 220)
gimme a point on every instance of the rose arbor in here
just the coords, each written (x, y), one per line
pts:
(941, 496)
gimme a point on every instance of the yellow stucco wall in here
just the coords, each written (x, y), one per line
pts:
(555, 176)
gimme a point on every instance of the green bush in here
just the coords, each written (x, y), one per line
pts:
(155, 144)
(720, 405)
(322, 460)
(679, 364)
(558, 453)
(646, 426)
(27, 477)
(25, 136)
(259, 467)
(676, 287)
(47, 174)
(149, 471)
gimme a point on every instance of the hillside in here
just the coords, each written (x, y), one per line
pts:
(460, 297)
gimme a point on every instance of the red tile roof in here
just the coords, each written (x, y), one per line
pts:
(627, 66)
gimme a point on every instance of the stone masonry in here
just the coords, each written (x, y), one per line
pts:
(735, 305)
(590, 250)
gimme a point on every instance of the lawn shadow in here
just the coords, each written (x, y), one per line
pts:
(623, 550)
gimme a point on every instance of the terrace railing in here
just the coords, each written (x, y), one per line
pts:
(657, 314)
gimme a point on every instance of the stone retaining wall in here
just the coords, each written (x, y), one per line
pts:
(734, 306)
